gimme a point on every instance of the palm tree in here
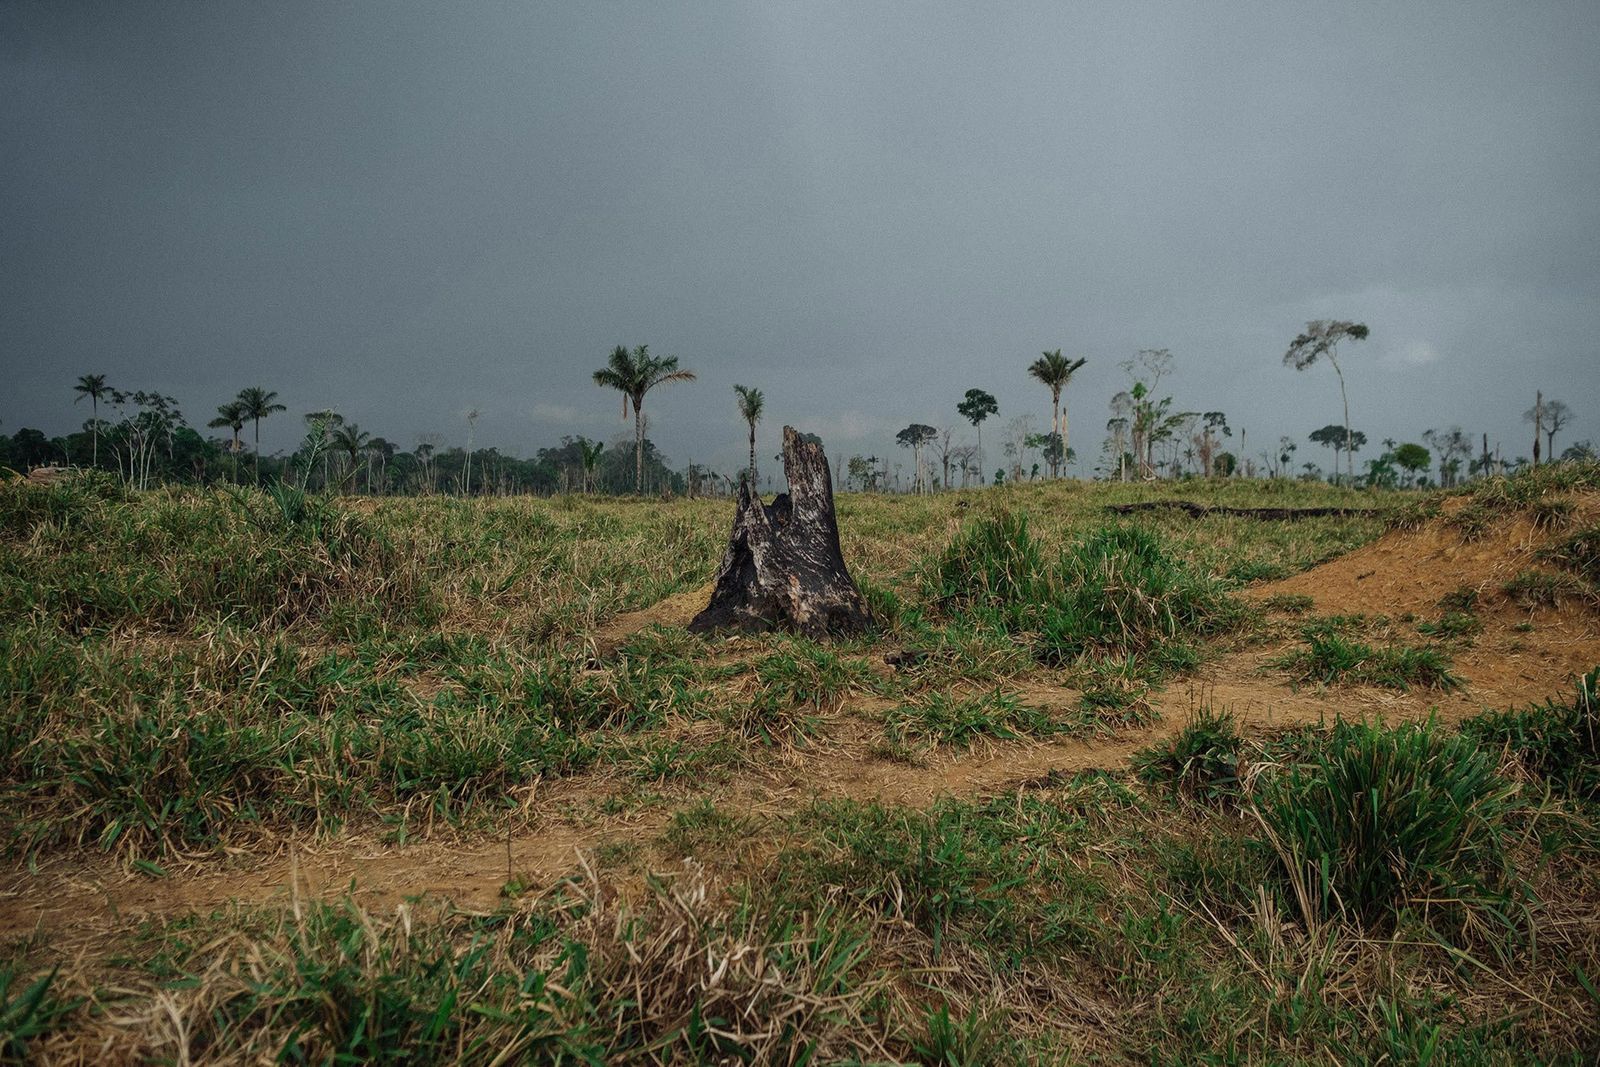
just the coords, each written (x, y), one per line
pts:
(750, 402)
(258, 403)
(590, 453)
(1055, 371)
(231, 416)
(94, 387)
(351, 440)
(633, 375)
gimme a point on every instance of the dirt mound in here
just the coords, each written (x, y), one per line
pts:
(1410, 570)
(1522, 653)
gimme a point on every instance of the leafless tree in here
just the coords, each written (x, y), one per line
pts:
(1549, 417)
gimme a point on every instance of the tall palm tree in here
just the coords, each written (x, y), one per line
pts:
(633, 374)
(750, 403)
(231, 416)
(258, 403)
(94, 387)
(351, 440)
(1055, 371)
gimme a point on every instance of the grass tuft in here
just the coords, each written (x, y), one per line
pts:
(1201, 763)
(1542, 589)
(1330, 658)
(1121, 591)
(1557, 740)
(1381, 820)
(1578, 553)
(942, 719)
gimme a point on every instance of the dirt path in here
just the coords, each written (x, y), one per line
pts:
(566, 815)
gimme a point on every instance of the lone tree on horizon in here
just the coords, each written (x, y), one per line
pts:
(976, 406)
(258, 403)
(750, 404)
(1549, 417)
(915, 437)
(1322, 338)
(633, 374)
(1055, 371)
(94, 387)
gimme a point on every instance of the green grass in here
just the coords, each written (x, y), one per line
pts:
(185, 676)
(1330, 658)
(1558, 740)
(1543, 589)
(1378, 820)
(1578, 553)
(1201, 763)
(1452, 624)
(958, 873)
(29, 1010)
(943, 719)
(972, 931)
(1116, 591)
(1289, 603)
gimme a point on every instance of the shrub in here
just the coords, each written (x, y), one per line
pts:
(1383, 820)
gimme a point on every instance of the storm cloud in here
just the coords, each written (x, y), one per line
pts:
(407, 211)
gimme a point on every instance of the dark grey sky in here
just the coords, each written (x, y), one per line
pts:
(405, 211)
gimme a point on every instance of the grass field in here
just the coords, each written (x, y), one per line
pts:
(433, 780)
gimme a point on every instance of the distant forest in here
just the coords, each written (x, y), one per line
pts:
(145, 440)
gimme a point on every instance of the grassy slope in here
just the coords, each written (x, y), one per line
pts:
(191, 672)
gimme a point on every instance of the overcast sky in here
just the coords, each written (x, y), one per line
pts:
(405, 211)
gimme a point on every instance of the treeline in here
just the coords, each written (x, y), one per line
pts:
(144, 439)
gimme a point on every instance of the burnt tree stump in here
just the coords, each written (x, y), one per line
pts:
(783, 569)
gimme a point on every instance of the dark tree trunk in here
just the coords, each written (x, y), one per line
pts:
(783, 569)
(1201, 510)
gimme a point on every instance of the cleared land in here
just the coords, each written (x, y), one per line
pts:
(442, 778)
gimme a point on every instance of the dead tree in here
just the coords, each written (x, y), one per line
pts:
(783, 569)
